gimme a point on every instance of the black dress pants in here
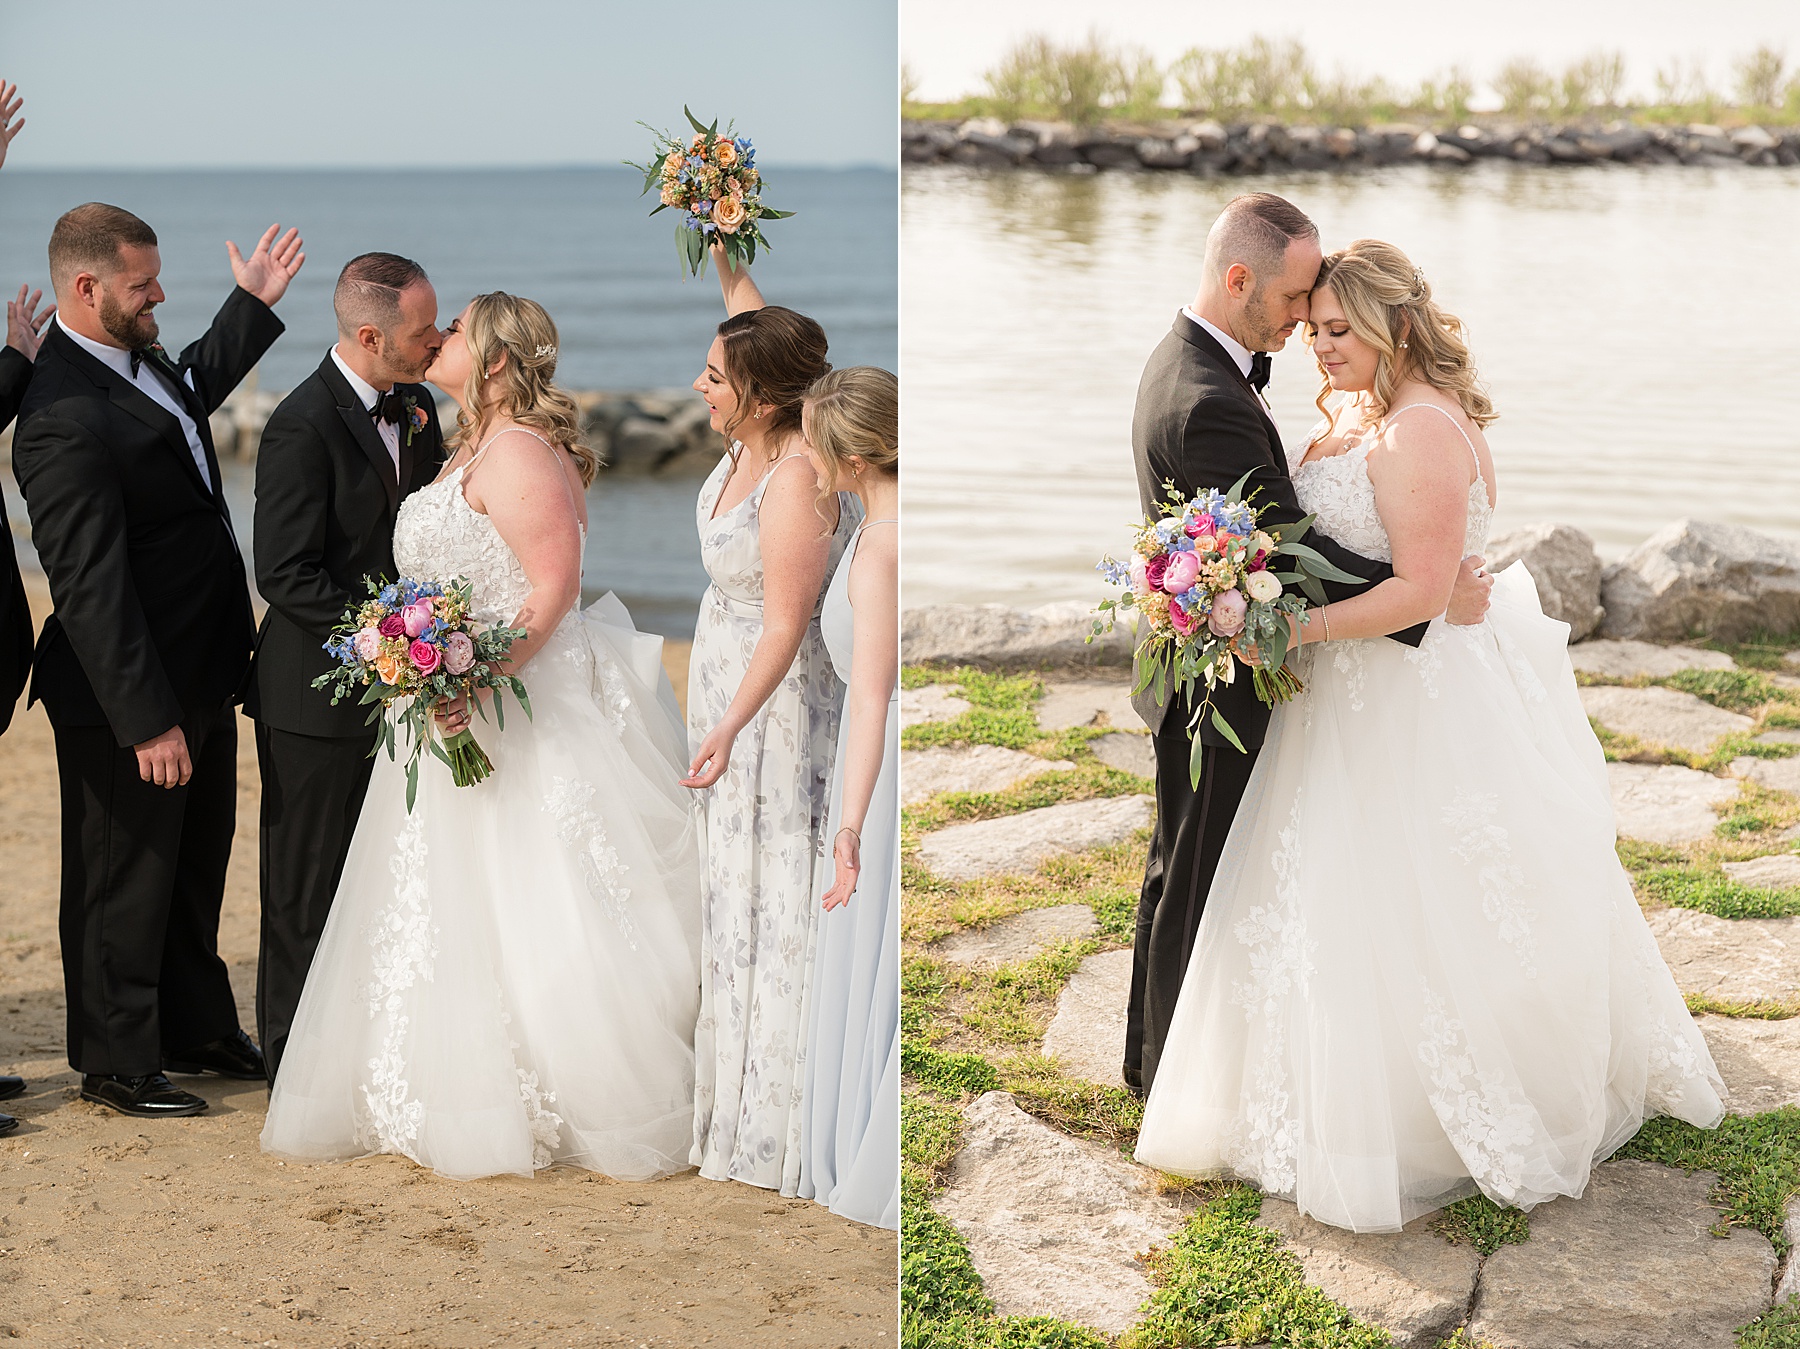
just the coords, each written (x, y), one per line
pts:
(312, 793)
(1191, 825)
(143, 877)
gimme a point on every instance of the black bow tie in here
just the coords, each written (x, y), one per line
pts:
(389, 407)
(1259, 370)
(155, 355)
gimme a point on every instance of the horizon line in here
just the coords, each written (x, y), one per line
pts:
(569, 166)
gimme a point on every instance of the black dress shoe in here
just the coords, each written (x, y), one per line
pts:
(11, 1086)
(152, 1096)
(234, 1056)
(7, 1125)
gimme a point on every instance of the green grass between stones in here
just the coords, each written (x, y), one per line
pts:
(1777, 1328)
(1481, 1223)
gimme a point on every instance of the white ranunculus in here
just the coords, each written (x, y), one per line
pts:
(1262, 586)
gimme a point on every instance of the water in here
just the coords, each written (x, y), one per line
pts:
(577, 241)
(1628, 323)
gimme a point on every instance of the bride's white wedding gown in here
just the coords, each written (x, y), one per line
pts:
(510, 974)
(1421, 969)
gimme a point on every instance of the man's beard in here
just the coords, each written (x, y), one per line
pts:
(130, 331)
(404, 371)
(1264, 332)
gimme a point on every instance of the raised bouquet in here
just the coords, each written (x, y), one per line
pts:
(414, 640)
(1203, 578)
(714, 180)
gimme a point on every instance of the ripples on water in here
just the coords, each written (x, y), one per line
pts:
(1628, 323)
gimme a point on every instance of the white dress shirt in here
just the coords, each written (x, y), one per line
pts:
(153, 386)
(1233, 348)
(389, 431)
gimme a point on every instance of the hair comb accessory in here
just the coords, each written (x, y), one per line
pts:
(543, 351)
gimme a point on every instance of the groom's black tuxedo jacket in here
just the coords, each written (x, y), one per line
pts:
(326, 499)
(15, 614)
(152, 617)
(1199, 424)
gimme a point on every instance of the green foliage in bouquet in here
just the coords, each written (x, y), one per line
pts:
(714, 181)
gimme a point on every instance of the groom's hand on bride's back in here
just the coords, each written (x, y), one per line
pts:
(1470, 597)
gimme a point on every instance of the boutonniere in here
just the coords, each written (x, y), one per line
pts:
(416, 420)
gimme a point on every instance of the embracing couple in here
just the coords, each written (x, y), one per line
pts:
(1388, 956)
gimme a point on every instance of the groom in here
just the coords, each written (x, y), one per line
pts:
(145, 652)
(1201, 422)
(337, 458)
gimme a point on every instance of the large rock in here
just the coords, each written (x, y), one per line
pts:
(1018, 843)
(933, 702)
(1632, 1264)
(1019, 937)
(1616, 659)
(1697, 576)
(1412, 1283)
(1665, 803)
(1759, 1060)
(1730, 959)
(1126, 752)
(971, 768)
(1087, 1035)
(1563, 563)
(1779, 871)
(1781, 775)
(998, 635)
(1087, 702)
(1054, 1224)
(1662, 716)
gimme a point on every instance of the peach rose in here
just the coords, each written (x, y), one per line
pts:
(729, 214)
(389, 668)
(726, 153)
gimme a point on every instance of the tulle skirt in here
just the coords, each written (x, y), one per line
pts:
(510, 973)
(1421, 969)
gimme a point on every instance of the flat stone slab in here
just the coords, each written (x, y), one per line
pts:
(1778, 871)
(1632, 1264)
(934, 702)
(1086, 702)
(1779, 737)
(1781, 775)
(1790, 1228)
(1054, 1224)
(1662, 716)
(972, 768)
(1759, 1060)
(1087, 1034)
(1127, 752)
(1732, 959)
(1412, 1283)
(1666, 803)
(1627, 659)
(1016, 938)
(1020, 843)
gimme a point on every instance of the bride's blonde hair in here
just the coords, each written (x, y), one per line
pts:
(522, 389)
(1388, 301)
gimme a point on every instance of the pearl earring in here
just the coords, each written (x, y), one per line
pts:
(1403, 346)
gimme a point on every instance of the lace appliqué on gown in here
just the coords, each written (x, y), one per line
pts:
(1347, 660)
(1485, 1121)
(1486, 847)
(404, 943)
(578, 826)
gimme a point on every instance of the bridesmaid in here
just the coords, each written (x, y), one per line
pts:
(763, 709)
(851, 1135)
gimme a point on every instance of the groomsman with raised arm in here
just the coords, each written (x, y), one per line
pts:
(145, 652)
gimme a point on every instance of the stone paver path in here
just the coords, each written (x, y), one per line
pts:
(1084, 702)
(1732, 959)
(1779, 737)
(1666, 803)
(972, 768)
(1087, 1035)
(1759, 1060)
(1054, 1223)
(1662, 716)
(1782, 775)
(1632, 660)
(1130, 753)
(1016, 938)
(933, 702)
(1019, 843)
(1633, 1264)
(1779, 871)
(1412, 1283)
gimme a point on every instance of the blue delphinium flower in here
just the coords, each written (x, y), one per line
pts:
(390, 595)
(1116, 573)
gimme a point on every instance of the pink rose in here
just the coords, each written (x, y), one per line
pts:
(459, 653)
(368, 643)
(417, 616)
(1183, 570)
(1203, 525)
(1154, 570)
(1227, 618)
(425, 657)
(1182, 621)
(392, 626)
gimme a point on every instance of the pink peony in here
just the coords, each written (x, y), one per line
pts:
(1227, 618)
(392, 626)
(368, 643)
(417, 616)
(425, 657)
(1183, 570)
(1154, 570)
(459, 653)
(1182, 621)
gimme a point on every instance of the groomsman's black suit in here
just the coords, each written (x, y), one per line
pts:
(15, 614)
(327, 493)
(1200, 424)
(151, 629)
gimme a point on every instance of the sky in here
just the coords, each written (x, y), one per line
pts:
(340, 83)
(947, 44)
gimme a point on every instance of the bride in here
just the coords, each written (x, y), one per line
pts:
(509, 976)
(1421, 971)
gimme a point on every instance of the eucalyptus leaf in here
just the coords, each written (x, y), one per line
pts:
(1235, 495)
(1317, 566)
(1224, 728)
(1196, 756)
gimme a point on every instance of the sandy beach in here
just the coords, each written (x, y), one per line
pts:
(118, 1231)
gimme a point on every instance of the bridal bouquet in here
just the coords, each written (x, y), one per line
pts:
(415, 640)
(714, 179)
(1202, 577)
